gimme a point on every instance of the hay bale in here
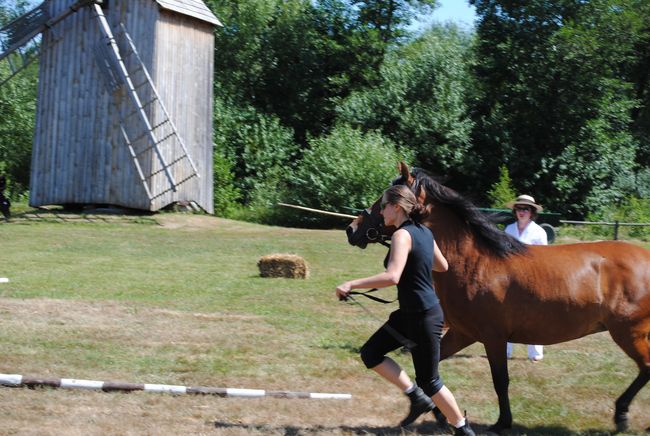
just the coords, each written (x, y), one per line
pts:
(283, 265)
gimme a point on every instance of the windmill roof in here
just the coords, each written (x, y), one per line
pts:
(193, 8)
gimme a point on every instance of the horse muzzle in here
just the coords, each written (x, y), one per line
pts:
(355, 237)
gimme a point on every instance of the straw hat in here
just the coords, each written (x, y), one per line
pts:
(525, 200)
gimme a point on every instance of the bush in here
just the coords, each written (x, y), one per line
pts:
(258, 149)
(225, 194)
(345, 170)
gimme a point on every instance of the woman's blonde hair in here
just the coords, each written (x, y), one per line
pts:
(403, 197)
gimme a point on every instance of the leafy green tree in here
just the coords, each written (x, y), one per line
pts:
(297, 59)
(388, 18)
(502, 191)
(550, 72)
(637, 70)
(10, 9)
(17, 112)
(292, 59)
(420, 102)
(596, 171)
(381, 25)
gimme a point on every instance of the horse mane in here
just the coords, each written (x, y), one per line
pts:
(484, 230)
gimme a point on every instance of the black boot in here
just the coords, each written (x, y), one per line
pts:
(465, 430)
(420, 404)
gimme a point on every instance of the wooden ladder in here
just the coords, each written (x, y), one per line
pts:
(145, 123)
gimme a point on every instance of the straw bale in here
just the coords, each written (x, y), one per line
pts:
(283, 265)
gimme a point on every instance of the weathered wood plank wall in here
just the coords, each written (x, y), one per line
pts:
(187, 92)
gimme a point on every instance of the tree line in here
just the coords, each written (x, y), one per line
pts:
(316, 100)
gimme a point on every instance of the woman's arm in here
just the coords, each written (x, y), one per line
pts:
(439, 262)
(399, 251)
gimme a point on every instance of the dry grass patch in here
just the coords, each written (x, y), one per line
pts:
(148, 345)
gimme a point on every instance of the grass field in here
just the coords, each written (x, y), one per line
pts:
(177, 299)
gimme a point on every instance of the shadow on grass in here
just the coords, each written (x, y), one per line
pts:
(426, 428)
(554, 430)
(351, 348)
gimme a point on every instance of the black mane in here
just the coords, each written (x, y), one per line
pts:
(485, 231)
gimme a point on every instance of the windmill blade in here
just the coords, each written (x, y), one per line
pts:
(20, 40)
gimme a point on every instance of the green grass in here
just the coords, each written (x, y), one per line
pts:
(183, 303)
(193, 270)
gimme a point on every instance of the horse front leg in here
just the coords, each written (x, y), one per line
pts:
(623, 402)
(496, 353)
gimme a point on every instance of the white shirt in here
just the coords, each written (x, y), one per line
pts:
(533, 234)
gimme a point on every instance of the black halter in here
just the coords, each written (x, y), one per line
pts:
(375, 234)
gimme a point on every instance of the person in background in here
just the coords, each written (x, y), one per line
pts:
(529, 232)
(413, 255)
(4, 201)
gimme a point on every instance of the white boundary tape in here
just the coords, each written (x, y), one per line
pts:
(4, 280)
(17, 380)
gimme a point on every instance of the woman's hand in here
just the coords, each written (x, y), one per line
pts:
(343, 290)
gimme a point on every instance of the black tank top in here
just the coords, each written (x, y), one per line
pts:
(415, 288)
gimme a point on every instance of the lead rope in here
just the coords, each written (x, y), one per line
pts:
(406, 342)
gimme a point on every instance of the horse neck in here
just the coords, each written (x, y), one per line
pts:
(451, 234)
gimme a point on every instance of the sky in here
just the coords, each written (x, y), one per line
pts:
(457, 11)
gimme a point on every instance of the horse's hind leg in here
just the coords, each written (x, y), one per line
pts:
(452, 342)
(635, 342)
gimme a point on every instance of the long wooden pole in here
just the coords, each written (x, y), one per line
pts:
(322, 212)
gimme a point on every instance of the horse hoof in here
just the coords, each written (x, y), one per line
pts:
(498, 427)
(622, 422)
(622, 425)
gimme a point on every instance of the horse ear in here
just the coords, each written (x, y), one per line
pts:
(403, 169)
(405, 172)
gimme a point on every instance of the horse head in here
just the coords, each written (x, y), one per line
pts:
(369, 226)
(449, 215)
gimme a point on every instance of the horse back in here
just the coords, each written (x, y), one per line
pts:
(612, 274)
(550, 294)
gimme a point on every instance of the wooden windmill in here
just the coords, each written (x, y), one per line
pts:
(124, 111)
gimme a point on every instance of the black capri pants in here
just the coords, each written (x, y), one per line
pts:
(425, 329)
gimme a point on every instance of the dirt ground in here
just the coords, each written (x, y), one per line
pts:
(374, 409)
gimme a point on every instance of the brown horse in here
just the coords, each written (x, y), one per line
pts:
(499, 290)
